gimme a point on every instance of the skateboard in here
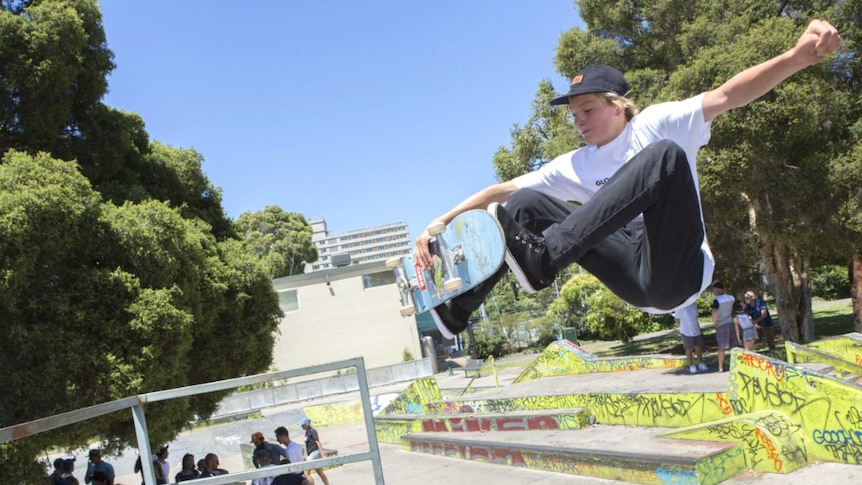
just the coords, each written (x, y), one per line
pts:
(466, 252)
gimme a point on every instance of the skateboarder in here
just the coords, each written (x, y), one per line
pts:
(639, 227)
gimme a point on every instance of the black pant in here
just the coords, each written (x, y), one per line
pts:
(654, 261)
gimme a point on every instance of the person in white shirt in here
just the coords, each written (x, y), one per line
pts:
(692, 336)
(637, 223)
(746, 334)
(722, 318)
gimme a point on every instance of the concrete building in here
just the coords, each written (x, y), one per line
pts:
(341, 313)
(357, 246)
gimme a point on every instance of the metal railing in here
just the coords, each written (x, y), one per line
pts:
(137, 403)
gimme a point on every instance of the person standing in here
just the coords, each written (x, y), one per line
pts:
(295, 454)
(313, 447)
(722, 318)
(758, 311)
(275, 452)
(96, 464)
(746, 334)
(692, 336)
(188, 471)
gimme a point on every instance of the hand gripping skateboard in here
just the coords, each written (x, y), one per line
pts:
(466, 252)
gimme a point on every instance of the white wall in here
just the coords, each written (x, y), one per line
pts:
(343, 320)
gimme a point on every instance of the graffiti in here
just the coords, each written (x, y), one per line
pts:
(413, 399)
(771, 392)
(676, 476)
(565, 358)
(767, 445)
(484, 424)
(837, 436)
(764, 365)
(854, 416)
(725, 406)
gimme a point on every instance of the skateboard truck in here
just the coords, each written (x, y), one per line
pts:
(407, 308)
(446, 255)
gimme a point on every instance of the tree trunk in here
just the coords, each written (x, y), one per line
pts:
(787, 270)
(856, 290)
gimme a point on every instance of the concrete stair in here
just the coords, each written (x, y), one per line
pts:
(627, 453)
(651, 426)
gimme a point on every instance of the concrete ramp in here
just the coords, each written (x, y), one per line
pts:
(565, 358)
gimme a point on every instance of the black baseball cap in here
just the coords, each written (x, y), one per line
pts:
(595, 78)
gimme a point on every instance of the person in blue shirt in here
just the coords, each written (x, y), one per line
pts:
(756, 309)
(97, 465)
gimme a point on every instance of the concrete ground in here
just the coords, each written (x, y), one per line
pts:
(407, 468)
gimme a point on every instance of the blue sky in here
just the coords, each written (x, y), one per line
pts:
(360, 112)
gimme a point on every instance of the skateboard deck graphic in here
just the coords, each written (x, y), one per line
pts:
(466, 252)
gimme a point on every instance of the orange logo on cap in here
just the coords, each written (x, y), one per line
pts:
(577, 79)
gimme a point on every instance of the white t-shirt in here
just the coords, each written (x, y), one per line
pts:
(579, 174)
(295, 452)
(723, 306)
(744, 321)
(687, 317)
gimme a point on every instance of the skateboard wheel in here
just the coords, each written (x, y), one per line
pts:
(408, 310)
(393, 263)
(436, 228)
(452, 285)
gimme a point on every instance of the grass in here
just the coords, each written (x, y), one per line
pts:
(830, 319)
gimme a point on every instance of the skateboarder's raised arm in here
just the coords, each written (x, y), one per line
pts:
(819, 40)
(499, 193)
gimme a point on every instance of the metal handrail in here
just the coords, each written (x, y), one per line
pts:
(136, 404)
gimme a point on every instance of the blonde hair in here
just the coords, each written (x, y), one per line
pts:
(621, 102)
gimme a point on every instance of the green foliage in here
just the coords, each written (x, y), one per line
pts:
(99, 302)
(119, 271)
(282, 239)
(54, 62)
(486, 343)
(406, 355)
(830, 282)
(546, 135)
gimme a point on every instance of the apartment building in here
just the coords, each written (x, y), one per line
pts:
(358, 246)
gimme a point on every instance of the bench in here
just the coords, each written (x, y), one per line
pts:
(473, 365)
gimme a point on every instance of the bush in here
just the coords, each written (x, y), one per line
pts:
(485, 344)
(830, 282)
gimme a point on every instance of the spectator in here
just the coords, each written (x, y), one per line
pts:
(68, 476)
(161, 459)
(96, 464)
(157, 469)
(202, 466)
(759, 313)
(55, 475)
(295, 454)
(211, 467)
(313, 447)
(100, 478)
(261, 459)
(188, 471)
(745, 331)
(722, 318)
(275, 452)
(692, 337)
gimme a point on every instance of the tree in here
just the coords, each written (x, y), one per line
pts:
(282, 239)
(119, 272)
(54, 61)
(99, 302)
